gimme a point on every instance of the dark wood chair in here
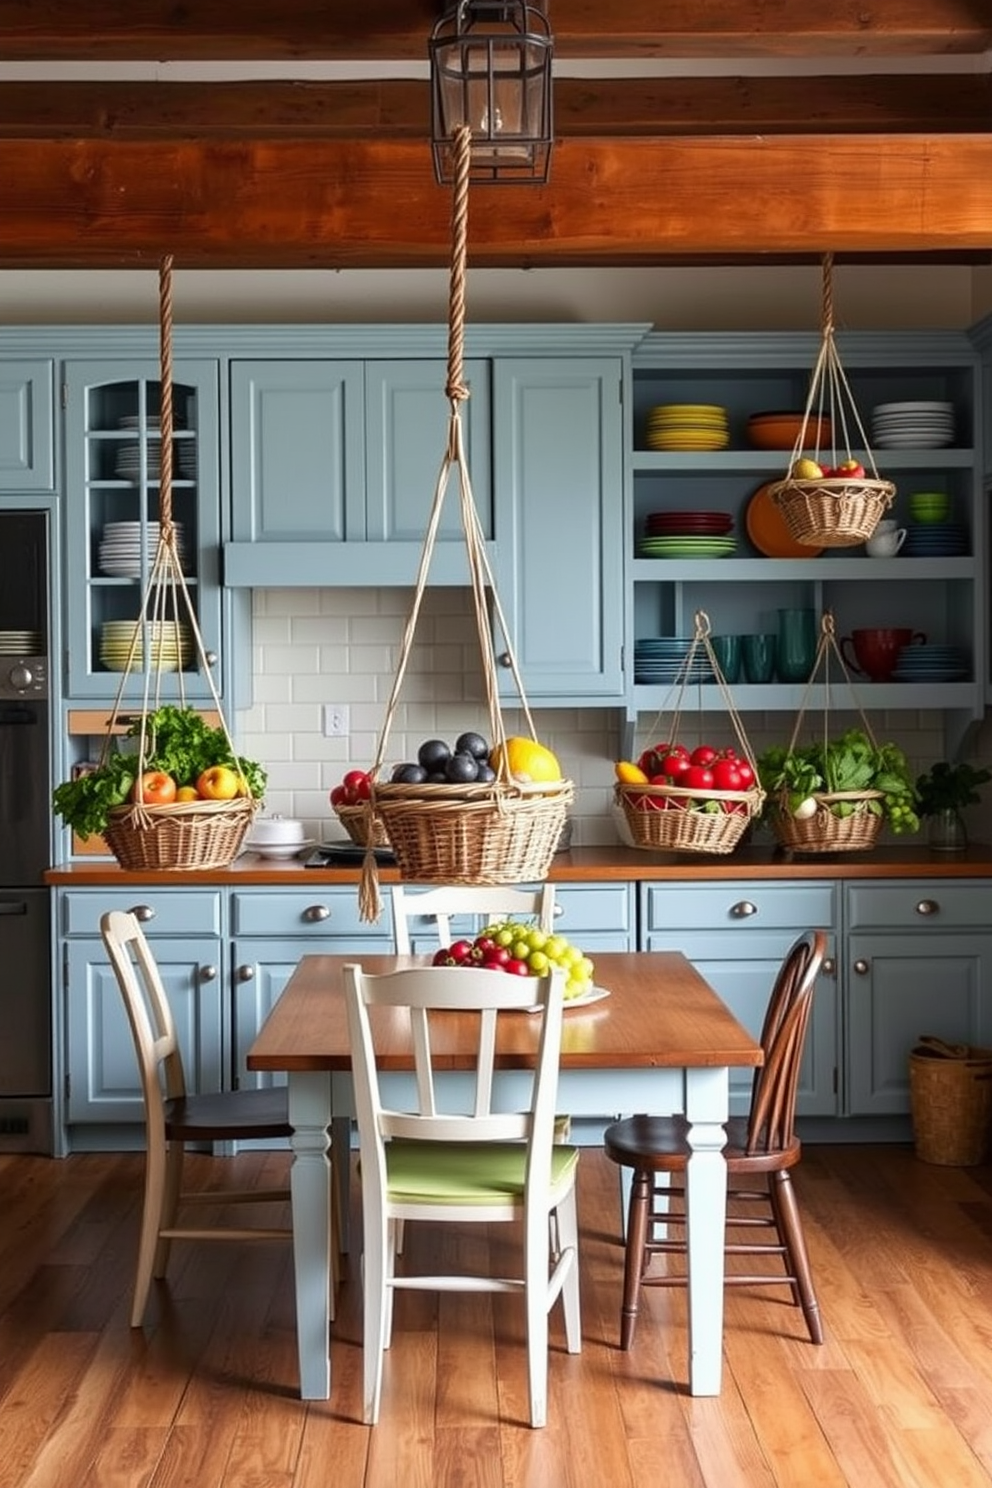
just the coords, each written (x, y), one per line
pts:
(762, 1146)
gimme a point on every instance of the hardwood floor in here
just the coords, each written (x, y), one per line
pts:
(205, 1396)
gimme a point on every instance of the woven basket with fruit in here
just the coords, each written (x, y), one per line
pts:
(181, 799)
(691, 800)
(835, 502)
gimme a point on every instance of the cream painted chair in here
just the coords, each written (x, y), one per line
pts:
(447, 1166)
(173, 1118)
(485, 904)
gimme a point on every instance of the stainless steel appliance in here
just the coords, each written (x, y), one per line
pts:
(25, 837)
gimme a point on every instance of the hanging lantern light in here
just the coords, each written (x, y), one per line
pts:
(491, 70)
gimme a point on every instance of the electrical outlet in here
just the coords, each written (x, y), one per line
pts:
(336, 722)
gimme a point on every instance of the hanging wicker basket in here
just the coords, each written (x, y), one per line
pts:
(364, 829)
(676, 819)
(841, 821)
(184, 835)
(839, 510)
(505, 831)
(844, 821)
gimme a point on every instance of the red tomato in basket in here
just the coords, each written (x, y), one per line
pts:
(697, 777)
(727, 775)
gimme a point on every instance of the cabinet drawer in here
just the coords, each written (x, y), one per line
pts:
(919, 903)
(172, 911)
(594, 907)
(738, 906)
(319, 912)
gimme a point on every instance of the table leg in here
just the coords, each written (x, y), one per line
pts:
(706, 1106)
(310, 1186)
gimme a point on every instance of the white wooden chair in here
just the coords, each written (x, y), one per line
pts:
(450, 1166)
(173, 1117)
(484, 903)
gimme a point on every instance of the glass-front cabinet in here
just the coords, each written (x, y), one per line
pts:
(113, 466)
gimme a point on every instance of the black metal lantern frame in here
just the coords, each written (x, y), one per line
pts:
(491, 70)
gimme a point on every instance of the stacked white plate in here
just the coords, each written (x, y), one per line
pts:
(128, 466)
(914, 425)
(171, 646)
(21, 643)
(120, 548)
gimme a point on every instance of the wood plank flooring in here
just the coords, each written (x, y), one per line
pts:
(206, 1395)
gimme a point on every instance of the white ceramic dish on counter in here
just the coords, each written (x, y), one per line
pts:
(277, 852)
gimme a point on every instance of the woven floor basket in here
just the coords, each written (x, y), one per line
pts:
(485, 834)
(361, 826)
(823, 832)
(662, 817)
(950, 1087)
(832, 513)
(193, 834)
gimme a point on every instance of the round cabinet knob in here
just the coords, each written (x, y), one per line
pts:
(829, 966)
(208, 973)
(743, 910)
(503, 659)
(245, 973)
(861, 967)
(20, 676)
(928, 907)
(314, 913)
(210, 657)
(143, 913)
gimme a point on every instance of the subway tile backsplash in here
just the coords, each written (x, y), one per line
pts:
(312, 647)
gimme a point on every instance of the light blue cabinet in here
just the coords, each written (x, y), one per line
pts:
(334, 464)
(271, 929)
(102, 1086)
(559, 465)
(27, 425)
(113, 445)
(918, 960)
(736, 935)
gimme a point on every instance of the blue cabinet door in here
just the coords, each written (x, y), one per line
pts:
(27, 426)
(113, 508)
(102, 1067)
(558, 459)
(297, 452)
(407, 415)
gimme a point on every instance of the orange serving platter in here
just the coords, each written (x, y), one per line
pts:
(768, 530)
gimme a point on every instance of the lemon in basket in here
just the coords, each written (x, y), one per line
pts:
(527, 761)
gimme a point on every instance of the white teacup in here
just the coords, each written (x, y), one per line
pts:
(886, 540)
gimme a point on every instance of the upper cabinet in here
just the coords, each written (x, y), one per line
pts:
(112, 456)
(936, 583)
(559, 463)
(27, 425)
(334, 466)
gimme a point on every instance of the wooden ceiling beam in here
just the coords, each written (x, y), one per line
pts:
(584, 108)
(350, 204)
(161, 30)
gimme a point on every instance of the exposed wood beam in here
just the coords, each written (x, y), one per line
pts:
(160, 30)
(589, 108)
(286, 204)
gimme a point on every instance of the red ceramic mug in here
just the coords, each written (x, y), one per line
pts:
(877, 651)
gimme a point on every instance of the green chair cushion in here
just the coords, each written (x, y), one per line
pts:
(465, 1172)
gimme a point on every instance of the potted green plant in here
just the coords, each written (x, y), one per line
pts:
(942, 792)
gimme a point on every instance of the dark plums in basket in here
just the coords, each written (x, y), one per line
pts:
(409, 775)
(437, 777)
(433, 754)
(485, 774)
(462, 768)
(473, 744)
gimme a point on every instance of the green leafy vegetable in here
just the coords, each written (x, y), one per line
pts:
(177, 741)
(849, 763)
(948, 787)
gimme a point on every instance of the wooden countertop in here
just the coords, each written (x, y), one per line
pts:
(586, 865)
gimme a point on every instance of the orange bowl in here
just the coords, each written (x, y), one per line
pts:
(777, 431)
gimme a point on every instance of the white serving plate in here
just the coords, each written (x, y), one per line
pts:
(279, 852)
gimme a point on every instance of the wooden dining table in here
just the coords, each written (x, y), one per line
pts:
(661, 1042)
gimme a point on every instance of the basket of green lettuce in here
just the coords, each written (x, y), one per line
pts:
(835, 794)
